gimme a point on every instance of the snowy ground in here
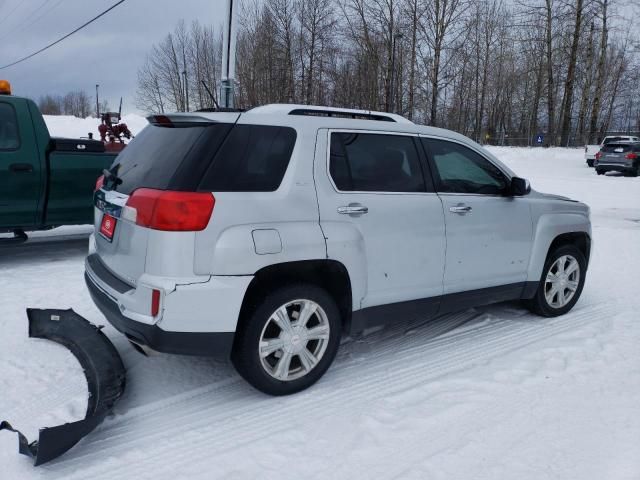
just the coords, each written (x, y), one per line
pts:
(493, 393)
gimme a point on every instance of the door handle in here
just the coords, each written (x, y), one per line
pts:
(461, 209)
(353, 209)
(21, 167)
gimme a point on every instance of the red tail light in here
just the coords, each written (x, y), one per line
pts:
(598, 155)
(99, 183)
(171, 211)
(631, 156)
(155, 302)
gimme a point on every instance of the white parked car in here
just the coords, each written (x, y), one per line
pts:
(264, 236)
(590, 151)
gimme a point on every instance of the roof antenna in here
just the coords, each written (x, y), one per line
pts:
(210, 94)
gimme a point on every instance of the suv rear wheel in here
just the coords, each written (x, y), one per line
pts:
(289, 340)
(561, 283)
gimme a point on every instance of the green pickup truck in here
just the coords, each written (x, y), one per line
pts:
(45, 182)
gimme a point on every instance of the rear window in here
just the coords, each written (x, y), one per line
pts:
(609, 140)
(617, 148)
(169, 157)
(253, 158)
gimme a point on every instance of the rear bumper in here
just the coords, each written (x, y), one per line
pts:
(216, 344)
(614, 167)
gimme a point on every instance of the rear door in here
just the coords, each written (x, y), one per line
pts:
(380, 215)
(20, 172)
(489, 234)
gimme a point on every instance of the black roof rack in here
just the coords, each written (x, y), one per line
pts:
(221, 109)
(309, 112)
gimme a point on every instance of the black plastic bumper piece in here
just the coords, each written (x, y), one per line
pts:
(103, 369)
(216, 344)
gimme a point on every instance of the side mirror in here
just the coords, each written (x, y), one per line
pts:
(519, 187)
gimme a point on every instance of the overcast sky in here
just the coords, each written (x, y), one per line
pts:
(107, 52)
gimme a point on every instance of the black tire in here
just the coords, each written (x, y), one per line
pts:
(539, 304)
(590, 162)
(246, 354)
(599, 172)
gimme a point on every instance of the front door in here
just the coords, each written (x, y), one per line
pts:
(19, 168)
(489, 234)
(380, 215)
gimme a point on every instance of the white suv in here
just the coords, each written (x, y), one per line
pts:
(264, 236)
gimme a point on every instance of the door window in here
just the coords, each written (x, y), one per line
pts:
(9, 139)
(459, 169)
(367, 162)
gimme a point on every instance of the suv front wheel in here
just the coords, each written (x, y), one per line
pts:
(289, 340)
(561, 283)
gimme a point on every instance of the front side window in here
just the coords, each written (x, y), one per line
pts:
(368, 162)
(459, 169)
(9, 139)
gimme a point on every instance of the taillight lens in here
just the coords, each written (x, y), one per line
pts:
(171, 211)
(155, 302)
(99, 183)
(631, 156)
(598, 155)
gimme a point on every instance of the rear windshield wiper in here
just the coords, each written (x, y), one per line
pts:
(111, 178)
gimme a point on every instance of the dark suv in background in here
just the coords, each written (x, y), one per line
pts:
(621, 157)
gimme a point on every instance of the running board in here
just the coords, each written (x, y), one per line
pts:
(103, 369)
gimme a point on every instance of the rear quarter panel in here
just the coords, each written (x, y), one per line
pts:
(72, 180)
(228, 246)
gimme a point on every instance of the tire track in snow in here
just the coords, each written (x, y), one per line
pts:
(239, 422)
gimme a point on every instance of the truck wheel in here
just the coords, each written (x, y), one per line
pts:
(289, 340)
(562, 282)
(599, 172)
(590, 162)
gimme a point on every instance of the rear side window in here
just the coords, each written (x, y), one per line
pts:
(367, 162)
(617, 148)
(609, 140)
(169, 157)
(9, 139)
(253, 158)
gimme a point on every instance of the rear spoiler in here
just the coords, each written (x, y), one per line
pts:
(176, 119)
(103, 369)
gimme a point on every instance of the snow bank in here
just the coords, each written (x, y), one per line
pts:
(73, 127)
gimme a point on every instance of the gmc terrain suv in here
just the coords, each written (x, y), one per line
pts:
(264, 236)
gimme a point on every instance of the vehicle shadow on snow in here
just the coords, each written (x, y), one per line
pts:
(39, 250)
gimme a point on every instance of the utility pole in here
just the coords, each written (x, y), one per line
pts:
(97, 101)
(228, 57)
(396, 36)
(186, 90)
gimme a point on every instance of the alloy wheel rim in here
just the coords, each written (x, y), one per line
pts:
(294, 340)
(562, 281)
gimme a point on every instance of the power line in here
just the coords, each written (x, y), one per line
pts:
(10, 13)
(25, 21)
(63, 38)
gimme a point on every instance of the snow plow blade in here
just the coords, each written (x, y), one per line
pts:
(103, 369)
